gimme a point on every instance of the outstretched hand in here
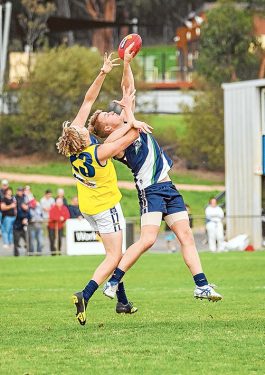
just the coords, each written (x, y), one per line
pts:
(129, 54)
(108, 63)
(127, 98)
(142, 126)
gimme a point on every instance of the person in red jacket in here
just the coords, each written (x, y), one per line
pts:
(58, 215)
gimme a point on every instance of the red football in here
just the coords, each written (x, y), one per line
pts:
(129, 39)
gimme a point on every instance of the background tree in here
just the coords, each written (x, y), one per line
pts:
(203, 143)
(102, 10)
(53, 94)
(33, 22)
(227, 53)
(225, 42)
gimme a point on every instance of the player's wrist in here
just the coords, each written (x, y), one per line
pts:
(103, 71)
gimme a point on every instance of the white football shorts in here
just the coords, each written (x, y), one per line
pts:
(109, 221)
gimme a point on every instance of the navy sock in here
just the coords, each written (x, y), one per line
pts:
(117, 276)
(89, 290)
(200, 279)
(121, 295)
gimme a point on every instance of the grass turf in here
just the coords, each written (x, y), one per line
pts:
(171, 334)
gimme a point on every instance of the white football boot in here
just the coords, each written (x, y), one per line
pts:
(207, 292)
(110, 289)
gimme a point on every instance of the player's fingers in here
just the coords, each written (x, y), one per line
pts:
(118, 102)
(116, 64)
(117, 58)
(110, 55)
(149, 126)
(129, 48)
(105, 56)
(147, 129)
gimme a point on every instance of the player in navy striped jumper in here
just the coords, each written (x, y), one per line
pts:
(158, 197)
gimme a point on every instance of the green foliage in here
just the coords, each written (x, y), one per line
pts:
(12, 136)
(55, 91)
(226, 37)
(167, 129)
(203, 144)
(170, 334)
(227, 53)
(33, 20)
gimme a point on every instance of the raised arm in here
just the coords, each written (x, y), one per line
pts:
(108, 150)
(93, 91)
(127, 76)
(126, 103)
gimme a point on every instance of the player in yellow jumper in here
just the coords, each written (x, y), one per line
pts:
(98, 192)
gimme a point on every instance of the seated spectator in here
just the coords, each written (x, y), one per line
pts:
(46, 202)
(74, 209)
(58, 215)
(8, 208)
(20, 227)
(35, 227)
(60, 194)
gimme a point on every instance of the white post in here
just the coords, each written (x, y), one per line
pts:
(1, 43)
(4, 36)
(135, 25)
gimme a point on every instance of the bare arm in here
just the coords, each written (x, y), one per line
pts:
(93, 91)
(126, 103)
(117, 134)
(108, 150)
(5, 207)
(127, 76)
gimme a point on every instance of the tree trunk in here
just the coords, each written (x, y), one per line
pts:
(102, 10)
(63, 9)
(262, 67)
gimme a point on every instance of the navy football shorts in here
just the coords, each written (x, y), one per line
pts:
(161, 197)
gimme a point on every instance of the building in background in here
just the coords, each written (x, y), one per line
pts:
(244, 104)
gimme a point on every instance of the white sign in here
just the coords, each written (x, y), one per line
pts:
(81, 239)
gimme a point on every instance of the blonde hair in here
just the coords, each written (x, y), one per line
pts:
(71, 141)
(95, 127)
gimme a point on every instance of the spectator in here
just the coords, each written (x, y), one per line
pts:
(46, 202)
(28, 194)
(60, 194)
(20, 227)
(74, 209)
(21, 199)
(9, 212)
(4, 186)
(214, 225)
(58, 215)
(35, 227)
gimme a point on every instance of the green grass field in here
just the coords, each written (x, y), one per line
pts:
(123, 173)
(171, 333)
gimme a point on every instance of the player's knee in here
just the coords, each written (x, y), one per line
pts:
(147, 242)
(186, 237)
(114, 257)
